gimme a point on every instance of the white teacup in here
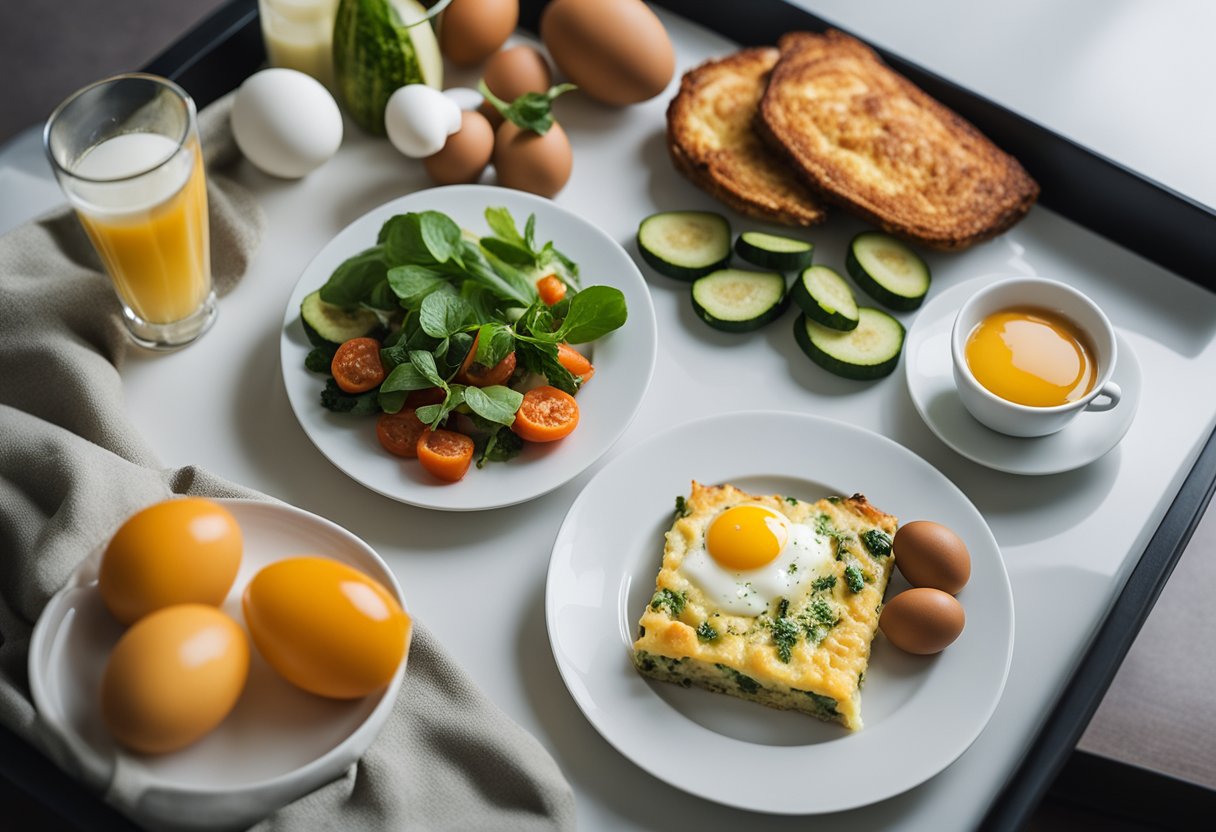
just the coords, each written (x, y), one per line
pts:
(1010, 417)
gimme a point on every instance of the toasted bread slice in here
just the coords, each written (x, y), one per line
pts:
(712, 141)
(871, 141)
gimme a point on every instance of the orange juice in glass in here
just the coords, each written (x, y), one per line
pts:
(126, 153)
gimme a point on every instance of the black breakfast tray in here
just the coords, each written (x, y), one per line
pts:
(1144, 216)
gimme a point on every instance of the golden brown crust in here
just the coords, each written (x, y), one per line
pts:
(712, 141)
(868, 139)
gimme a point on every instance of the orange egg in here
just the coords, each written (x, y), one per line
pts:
(528, 161)
(472, 30)
(173, 677)
(179, 551)
(326, 627)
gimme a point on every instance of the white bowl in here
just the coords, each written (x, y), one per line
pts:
(279, 742)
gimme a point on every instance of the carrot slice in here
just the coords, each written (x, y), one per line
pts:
(545, 415)
(445, 453)
(356, 366)
(479, 375)
(574, 361)
(398, 432)
(550, 289)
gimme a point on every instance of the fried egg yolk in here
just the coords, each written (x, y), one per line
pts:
(747, 537)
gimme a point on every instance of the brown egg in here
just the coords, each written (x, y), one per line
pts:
(531, 162)
(922, 620)
(512, 72)
(929, 554)
(617, 51)
(466, 153)
(472, 30)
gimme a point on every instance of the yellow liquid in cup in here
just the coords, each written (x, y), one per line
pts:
(1032, 357)
(151, 231)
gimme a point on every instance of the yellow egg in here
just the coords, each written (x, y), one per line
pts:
(747, 537)
(180, 551)
(173, 677)
(326, 627)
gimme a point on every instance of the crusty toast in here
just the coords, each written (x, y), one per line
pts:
(868, 139)
(712, 141)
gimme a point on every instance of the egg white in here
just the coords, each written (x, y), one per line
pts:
(805, 556)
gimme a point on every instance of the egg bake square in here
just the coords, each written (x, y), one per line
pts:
(769, 598)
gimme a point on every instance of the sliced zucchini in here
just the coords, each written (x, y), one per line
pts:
(735, 300)
(685, 244)
(825, 298)
(769, 251)
(888, 271)
(868, 352)
(333, 323)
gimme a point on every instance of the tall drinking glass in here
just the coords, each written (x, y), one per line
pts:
(126, 153)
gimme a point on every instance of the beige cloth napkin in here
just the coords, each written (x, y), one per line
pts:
(72, 467)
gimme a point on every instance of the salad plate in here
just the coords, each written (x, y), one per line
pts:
(623, 359)
(930, 376)
(920, 712)
(277, 744)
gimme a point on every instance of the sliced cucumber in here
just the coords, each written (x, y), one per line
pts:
(769, 251)
(333, 323)
(870, 351)
(685, 244)
(888, 271)
(735, 300)
(825, 298)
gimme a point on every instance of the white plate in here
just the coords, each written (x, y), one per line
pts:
(624, 361)
(930, 375)
(277, 744)
(920, 712)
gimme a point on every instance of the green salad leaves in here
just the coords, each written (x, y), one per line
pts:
(441, 293)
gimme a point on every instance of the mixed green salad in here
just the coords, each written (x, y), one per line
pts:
(459, 344)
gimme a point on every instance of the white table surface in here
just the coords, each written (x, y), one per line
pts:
(1069, 541)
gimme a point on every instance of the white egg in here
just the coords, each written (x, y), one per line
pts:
(466, 98)
(801, 556)
(285, 122)
(419, 119)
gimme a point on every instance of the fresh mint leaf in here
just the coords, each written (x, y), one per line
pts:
(458, 346)
(434, 414)
(424, 363)
(483, 302)
(495, 342)
(441, 236)
(508, 252)
(405, 377)
(503, 225)
(594, 312)
(530, 233)
(442, 314)
(403, 242)
(496, 403)
(508, 285)
(531, 111)
(540, 357)
(413, 283)
(392, 402)
(353, 282)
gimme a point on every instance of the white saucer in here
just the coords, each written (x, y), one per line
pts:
(931, 383)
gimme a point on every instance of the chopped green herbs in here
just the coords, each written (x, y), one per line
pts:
(878, 542)
(706, 632)
(785, 636)
(792, 500)
(682, 509)
(670, 600)
(827, 582)
(854, 578)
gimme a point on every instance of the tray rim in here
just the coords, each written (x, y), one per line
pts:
(214, 56)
